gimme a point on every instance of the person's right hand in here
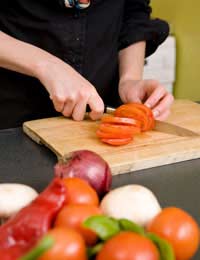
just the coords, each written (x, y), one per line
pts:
(69, 91)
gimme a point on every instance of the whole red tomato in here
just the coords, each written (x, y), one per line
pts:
(180, 229)
(128, 246)
(69, 245)
(73, 216)
(80, 192)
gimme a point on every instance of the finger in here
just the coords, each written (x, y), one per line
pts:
(97, 107)
(130, 93)
(58, 103)
(134, 99)
(157, 94)
(164, 115)
(163, 105)
(68, 108)
(79, 111)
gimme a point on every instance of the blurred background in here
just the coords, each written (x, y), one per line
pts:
(177, 61)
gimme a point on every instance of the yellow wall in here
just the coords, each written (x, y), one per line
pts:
(184, 19)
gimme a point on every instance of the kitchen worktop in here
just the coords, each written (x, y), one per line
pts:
(23, 161)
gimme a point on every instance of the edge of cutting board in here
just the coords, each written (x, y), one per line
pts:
(39, 140)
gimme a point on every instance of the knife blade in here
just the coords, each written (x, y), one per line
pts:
(173, 129)
(165, 127)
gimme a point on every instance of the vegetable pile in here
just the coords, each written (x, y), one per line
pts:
(127, 121)
(70, 220)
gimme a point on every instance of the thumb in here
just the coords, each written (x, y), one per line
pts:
(133, 98)
(136, 100)
(97, 106)
(130, 97)
(132, 92)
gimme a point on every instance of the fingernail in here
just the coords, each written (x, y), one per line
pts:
(156, 113)
(147, 105)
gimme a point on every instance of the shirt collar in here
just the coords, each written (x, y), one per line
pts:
(79, 4)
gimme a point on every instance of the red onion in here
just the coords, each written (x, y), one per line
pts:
(89, 166)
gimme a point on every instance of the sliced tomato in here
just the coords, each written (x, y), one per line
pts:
(108, 135)
(120, 130)
(117, 142)
(139, 112)
(128, 110)
(148, 112)
(120, 120)
(144, 108)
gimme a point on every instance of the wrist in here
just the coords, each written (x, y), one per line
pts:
(42, 65)
(131, 62)
(125, 79)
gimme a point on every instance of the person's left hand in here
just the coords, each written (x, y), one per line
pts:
(149, 92)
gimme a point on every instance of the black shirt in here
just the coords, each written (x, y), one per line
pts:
(89, 40)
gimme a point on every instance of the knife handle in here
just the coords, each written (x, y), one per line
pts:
(106, 109)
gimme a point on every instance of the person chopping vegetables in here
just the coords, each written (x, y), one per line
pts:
(58, 57)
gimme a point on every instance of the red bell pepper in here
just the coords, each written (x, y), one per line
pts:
(10, 253)
(21, 232)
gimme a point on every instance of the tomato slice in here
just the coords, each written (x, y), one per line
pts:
(121, 130)
(111, 135)
(117, 142)
(148, 112)
(139, 112)
(120, 120)
(130, 111)
(144, 108)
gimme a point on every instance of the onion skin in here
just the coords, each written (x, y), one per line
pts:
(89, 166)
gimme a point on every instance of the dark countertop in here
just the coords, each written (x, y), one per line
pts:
(23, 161)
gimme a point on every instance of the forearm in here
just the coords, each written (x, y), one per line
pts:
(70, 99)
(131, 62)
(22, 57)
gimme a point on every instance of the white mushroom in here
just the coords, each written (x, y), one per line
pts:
(134, 202)
(14, 197)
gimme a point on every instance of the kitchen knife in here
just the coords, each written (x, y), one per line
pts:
(165, 127)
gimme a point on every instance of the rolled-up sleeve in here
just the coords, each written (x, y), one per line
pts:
(138, 26)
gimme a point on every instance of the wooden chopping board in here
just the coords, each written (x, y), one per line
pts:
(150, 149)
